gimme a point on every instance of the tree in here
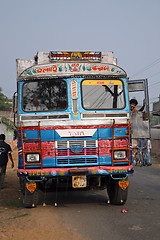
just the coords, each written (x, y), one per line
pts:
(4, 101)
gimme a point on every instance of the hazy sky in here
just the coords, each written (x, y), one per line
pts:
(131, 29)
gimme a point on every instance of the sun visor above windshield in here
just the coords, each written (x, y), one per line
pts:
(72, 69)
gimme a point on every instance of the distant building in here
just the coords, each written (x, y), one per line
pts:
(156, 108)
(7, 114)
(155, 130)
(155, 139)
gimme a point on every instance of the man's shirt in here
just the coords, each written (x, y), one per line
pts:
(4, 150)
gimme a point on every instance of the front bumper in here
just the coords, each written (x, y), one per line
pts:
(62, 172)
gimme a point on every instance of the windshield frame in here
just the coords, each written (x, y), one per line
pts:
(43, 79)
(103, 79)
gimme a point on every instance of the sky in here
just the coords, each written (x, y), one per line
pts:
(131, 29)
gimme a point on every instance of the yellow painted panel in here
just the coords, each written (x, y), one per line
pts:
(101, 82)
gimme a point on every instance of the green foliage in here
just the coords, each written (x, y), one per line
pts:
(9, 123)
(19, 216)
(4, 101)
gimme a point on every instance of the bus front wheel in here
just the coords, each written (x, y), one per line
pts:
(30, 200)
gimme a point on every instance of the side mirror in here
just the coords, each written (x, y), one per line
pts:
(15, 106)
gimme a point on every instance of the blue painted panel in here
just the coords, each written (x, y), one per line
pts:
(33, 166)
(120, 132)
(47, 135)
(105, 160)
(77, 161)
(20, 162)
(49, 162)
(19, 140)
(76, 165)
(30, 134)
(105, 133)
(120, 163)
(131, 157)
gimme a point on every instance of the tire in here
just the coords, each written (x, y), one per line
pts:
(117, 196)
(22, 184)
(30, 199)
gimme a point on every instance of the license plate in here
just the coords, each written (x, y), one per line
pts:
(79, 181)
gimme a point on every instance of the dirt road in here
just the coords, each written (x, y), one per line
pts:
(17, 222)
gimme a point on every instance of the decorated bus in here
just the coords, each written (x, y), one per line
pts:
(73, 119)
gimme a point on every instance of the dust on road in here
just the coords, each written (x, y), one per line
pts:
(17, 222)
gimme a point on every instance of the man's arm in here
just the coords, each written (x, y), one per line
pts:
(142, 108)
(10, 157)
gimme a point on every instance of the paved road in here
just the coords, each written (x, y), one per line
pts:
(89, 213)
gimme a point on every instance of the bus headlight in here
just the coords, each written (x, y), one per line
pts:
(32, 157)
(118, 155)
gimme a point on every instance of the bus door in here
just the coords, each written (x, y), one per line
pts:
(138, 89)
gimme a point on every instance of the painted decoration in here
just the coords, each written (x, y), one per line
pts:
(123, 184)
(76, 132)
(102, 82)
(76, 149)
(73, 68)
(75, 56)
(31, 186)
(105, 170)
(74, 89)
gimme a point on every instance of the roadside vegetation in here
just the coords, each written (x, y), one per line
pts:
(5, 103)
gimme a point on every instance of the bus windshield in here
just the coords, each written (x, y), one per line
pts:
(103, 94)
(45, 95)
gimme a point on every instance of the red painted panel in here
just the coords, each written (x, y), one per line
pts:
(105, 145)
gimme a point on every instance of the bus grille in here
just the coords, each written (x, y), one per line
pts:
(83, 143)
(75, 161)
(76, 148)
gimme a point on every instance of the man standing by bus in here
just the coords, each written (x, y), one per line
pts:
(133, 103)
(5, 152)
(143, 143)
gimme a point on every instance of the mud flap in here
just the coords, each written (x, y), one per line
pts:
(31, 186)
(30, 194)
(118, 190)
(123, 183)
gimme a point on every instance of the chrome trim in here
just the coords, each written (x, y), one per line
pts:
(90, 115)
(44, 116)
